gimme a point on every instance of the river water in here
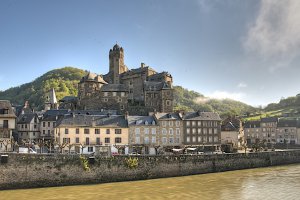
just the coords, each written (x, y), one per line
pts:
(271, 183)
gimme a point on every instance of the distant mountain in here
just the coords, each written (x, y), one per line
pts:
(65, 81)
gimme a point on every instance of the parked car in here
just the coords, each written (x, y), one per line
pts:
(218, 152)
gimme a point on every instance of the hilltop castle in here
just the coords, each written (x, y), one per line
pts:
(137, 91)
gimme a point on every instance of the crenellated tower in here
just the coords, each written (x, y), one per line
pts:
(116, 63)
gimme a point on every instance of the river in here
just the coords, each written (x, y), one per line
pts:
(282, 183)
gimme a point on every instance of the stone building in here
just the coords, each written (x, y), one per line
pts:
(89, 133)
(7, 125)
(171, 133)
(252, 131)
(268, 128)
(143, 135)
(126, 90)
(28, 128)
(232, 132)
(286, 132)
(202, 129)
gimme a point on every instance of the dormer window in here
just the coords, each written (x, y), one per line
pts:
(153, 122)
(146, 123)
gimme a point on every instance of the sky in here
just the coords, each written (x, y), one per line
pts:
(245, 50)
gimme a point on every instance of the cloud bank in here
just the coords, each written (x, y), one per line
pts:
(275, 34)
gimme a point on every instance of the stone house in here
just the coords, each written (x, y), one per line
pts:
(89, 133)
(232, 132)
(202, 129)
(252, 131)
(143, 134)
(268, 129)
(28, 127)
(171, 134)
(286, 132)
(7, 125)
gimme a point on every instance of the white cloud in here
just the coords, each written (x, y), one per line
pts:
(227, 95)
(275, 35)
(242, 85)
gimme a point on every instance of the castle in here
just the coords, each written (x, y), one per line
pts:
(138, 91)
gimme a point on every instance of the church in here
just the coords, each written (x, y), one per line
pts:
(138, 91)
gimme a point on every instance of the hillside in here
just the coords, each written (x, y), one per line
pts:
(185, 99)
(286, 107)
(65, 80)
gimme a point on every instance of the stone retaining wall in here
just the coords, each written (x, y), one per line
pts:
(28, 170)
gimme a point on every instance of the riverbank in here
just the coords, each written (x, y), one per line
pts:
(31, 171)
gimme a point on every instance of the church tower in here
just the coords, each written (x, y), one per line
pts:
(51, 102)
(116, 63)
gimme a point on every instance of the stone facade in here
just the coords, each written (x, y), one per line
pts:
(138, 90)
(28, 126)
(7, 125)
(202, 129)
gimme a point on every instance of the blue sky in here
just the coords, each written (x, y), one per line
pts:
(245, 50)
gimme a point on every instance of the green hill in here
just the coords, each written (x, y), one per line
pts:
(65, 81)
(287, 108)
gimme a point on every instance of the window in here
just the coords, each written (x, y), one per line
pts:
(188, 123)
(153, 131)
(105, 94)
(54, 124)
(164, 140)
(188, 131)
(199, 130)
(146, 130)
(33, 133)
(66, 131)
(90, 149)
(199, 123)
(204, 139)
(187, 139)
(171, 140)
(146, 140)
(164, 123)
(170, 123)
(118, 140)
(98, 141)
(107, 131)
(48, 132)
(33, 126)
(66, 140)
(44, 132)
(177, 123)
(122, 107)
(122, 94)
(177, 131)
(105, 99)
(153, 139)
(137, 140)
(199, 139)
(194, 130)
(48, 124)
(86, 131)
(22, 126)
(44, 124)
(107, 140)
(216, 139)
(77, 130)
(118, 131)
(209, 139)
(97, 131)
(193, 123)
(215, 130)
(25, 125)
(210, 131)
(171, 131)
(177, 140)
(137, 131)
(114, 94)
(87, 141)
(168, 102)
(164, 131)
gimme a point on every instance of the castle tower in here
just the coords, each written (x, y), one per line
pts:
(116, 63)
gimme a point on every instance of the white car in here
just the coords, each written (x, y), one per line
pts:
(25, 150)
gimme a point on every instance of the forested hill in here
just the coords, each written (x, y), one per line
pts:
(65, 81)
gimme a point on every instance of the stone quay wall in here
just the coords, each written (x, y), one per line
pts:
(30, 171)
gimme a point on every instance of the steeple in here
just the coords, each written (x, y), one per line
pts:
(51, 102)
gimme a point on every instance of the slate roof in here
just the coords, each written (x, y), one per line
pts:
(69, 99)
(137, 71)
(26, 118)
(94, 112)
(155, 86)
(141, 120)
(114, 88)
(159, 75)
(167, 116)
(269, 119)
(287, 123)
(93, 120)
(250, 124)
(201, 116)
(5, 105)
(93, 77)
